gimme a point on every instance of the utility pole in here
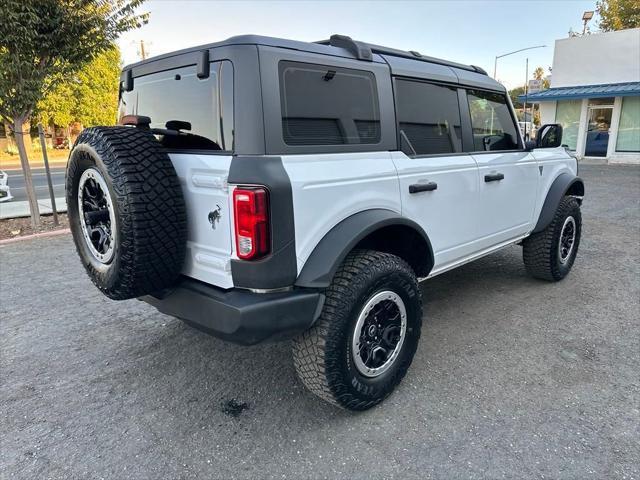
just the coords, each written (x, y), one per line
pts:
(143, 54)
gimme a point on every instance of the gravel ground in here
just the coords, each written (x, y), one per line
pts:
(514, 378)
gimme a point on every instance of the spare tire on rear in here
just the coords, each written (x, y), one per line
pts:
(126, 211)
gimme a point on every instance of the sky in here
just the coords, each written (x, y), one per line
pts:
(470, 31)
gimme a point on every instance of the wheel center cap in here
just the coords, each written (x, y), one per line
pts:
(372, 331)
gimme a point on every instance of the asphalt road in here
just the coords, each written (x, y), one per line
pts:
(16, 183)
(513, 378)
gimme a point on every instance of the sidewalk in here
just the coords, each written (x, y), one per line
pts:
(21, 209)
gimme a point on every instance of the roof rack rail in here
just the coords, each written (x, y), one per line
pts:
(360, 50)
(365, 51)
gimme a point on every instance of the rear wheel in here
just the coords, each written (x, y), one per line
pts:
(549, 254)
(365, 339)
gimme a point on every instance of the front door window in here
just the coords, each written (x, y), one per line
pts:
(599, 124)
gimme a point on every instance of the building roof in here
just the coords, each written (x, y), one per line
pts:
(585, 91)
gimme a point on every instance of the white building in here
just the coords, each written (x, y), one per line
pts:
(595, 95)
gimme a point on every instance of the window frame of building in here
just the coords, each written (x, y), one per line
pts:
(574, 102)
(623, 118)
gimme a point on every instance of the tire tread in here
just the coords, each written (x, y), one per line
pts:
(151, 211)
(314, 350)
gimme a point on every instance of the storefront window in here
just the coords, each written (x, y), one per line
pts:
(601, 101)
(568, 115)
(629, 129)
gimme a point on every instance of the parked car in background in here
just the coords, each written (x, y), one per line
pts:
(5, 191)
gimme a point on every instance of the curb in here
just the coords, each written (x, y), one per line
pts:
(18, 166)
(53, 233)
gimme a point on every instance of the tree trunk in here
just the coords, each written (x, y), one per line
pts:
(11, 144)
(18, 129)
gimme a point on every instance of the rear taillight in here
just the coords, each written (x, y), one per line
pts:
(251, 211)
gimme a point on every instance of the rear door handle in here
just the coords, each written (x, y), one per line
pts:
(423, 187)
(493, 177)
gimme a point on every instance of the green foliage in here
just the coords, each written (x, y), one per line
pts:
(45, 41)
(513, 93)
(538, 73)
(98, 90)
(57, 105)
(618, 14)
(89, 97)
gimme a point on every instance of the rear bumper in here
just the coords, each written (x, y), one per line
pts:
(240, 316)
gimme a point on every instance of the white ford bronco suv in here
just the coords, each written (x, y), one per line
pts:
(260, 188)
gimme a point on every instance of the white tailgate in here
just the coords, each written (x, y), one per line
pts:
(204, 186)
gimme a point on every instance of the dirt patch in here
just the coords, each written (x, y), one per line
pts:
(19, 227)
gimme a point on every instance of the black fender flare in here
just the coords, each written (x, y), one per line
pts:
(559, 188)
(322, 264)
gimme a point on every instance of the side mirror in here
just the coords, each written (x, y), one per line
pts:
(529, 145)
(549, 136)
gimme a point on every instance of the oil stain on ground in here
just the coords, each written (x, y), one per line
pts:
(234, 408)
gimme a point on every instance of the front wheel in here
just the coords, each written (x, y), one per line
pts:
(365, 339)
(549, 254)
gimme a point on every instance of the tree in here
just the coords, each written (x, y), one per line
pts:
(97, 90)
(514, 93)
(44, 41)
(89, 97)
(618, 14)
(57, 105)
(538, 73)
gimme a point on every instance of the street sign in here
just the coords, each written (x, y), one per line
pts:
(534, 86)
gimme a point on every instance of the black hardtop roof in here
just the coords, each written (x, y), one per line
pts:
(342, 46)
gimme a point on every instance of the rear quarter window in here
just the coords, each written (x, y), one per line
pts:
(327, 105)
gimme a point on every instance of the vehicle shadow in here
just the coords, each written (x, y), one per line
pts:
(220, 384)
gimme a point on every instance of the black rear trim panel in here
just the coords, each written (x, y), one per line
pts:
(279, 269)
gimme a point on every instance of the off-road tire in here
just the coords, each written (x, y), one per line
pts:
(149, 210)
(540, 250)
(323, 354)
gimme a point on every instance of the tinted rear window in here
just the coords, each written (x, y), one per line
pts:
(429, 116)
(179, 94)
(325, 105)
